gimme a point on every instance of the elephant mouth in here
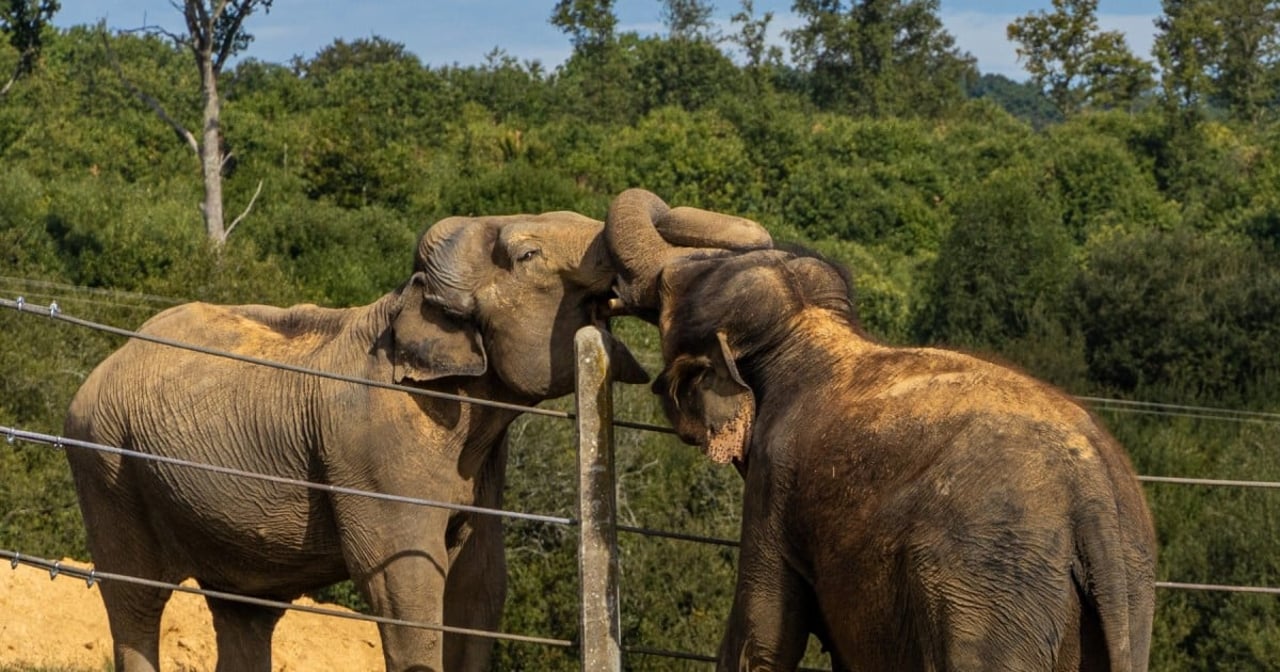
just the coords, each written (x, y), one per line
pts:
(607, 307)
(611, 305)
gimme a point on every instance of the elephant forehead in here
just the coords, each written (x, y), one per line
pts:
(571, 229)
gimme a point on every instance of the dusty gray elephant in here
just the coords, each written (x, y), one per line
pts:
(915, 508)
(489, 313)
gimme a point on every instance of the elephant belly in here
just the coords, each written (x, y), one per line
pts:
(245, 536)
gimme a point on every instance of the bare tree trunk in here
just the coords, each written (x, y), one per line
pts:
(211, 154)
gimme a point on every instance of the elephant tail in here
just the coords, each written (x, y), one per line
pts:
(1102, 578)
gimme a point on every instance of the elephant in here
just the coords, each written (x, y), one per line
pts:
(915, 508)
(489, 312)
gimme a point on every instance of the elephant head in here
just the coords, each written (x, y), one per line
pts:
(713, 306)
(504, 295)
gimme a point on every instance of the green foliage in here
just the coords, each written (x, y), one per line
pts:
(880, 57)
(1220, 55)
(1074, 63)
(869, 181)
(692, 158)
(1190, 318)
(1102, 183)
(1004, 268)
(1021, 99)
(25, 21)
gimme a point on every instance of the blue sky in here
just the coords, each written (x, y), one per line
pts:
(442, 32)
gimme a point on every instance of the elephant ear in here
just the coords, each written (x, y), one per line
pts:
(431, 341)
(709, 393)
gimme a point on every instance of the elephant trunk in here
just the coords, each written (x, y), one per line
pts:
(643, 235)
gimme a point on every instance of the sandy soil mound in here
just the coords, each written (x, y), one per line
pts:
(61, 624)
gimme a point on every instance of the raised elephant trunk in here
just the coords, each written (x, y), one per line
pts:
(643, 235)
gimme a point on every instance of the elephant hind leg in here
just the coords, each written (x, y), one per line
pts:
(133, 615)
(244, 635)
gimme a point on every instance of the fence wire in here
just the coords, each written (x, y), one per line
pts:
(13, 434)
(92, 576)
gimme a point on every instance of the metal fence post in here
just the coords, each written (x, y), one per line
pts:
(601, 628)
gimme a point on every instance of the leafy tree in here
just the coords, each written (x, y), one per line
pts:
(692, 74)
(688, 19)
(589, 23)
(1187, 41)
(1220, 54)
(1249, 73)
(869, 181)
(880, 57)
(1074, 63)
(379, 107)
(359, 54)
(24, 21)
(1104, 186)
(514, 91)
(1192, 318)
(691, 158)
(595, 75)
(1024, 100)
(1000, 281)
(752, 39)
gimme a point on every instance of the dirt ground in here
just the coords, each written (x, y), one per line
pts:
(61, 625)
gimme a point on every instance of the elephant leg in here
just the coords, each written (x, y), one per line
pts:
(400, 564)
(769, 622)
(474, 595)
(121, 542)
(768, 628)
(133, 615)
(244, 635)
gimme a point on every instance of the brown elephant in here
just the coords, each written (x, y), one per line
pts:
(489, 313)
(915, 508)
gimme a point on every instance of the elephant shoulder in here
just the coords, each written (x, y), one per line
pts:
(190, 319)
(246, 327)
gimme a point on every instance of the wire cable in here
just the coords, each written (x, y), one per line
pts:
(92, 576)
(14, 434)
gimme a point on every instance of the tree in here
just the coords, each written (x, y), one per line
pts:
(214, 33)
(1220, 53)
(24, 21)
(1187, 41)
(589, 23)
(1074, 63)
(751, 38)
(687, 19)
(1002, 273)
(1250, 66)
(1021, 99)
(1182, 316)
(595, 71)
(880, 57)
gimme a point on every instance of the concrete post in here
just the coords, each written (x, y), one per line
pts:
(601, 626)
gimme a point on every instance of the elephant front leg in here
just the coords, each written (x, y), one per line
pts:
(403, 577)
(474, 594)
(769, 623)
